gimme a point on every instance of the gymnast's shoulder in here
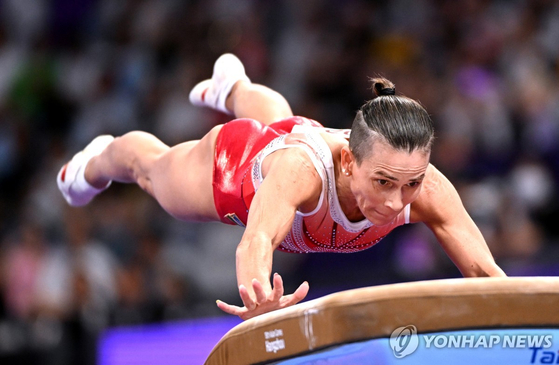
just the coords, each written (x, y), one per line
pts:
(438, 200)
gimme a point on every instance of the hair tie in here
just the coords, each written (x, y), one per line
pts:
(388, 91)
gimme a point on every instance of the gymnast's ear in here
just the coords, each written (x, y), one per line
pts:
(347, 159)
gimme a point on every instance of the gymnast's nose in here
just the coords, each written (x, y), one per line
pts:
(394, 201)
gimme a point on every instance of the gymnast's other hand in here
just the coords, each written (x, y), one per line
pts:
(265, 302)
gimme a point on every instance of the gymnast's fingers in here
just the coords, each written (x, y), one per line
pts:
(245, 297)
(259, 291)
(277, 293)
(298, 295)
(231, 309)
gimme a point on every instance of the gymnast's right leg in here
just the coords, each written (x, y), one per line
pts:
(230, 91)
(179, 177)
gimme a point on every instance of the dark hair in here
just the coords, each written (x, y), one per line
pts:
(398, 120)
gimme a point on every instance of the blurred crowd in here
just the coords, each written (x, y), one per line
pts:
(487, 72)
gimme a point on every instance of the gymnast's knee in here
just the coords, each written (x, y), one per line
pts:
(139, 152)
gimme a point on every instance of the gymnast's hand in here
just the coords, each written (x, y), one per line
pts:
(264, 302)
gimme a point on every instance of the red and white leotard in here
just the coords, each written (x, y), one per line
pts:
(326, 228)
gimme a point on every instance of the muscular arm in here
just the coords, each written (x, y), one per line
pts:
(441, 209)
(291, 182)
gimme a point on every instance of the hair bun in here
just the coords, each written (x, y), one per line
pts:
(383, 87)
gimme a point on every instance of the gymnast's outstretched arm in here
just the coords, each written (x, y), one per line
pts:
(291, 182)
(441, 209)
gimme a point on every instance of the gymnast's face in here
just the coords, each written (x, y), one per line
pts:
(386, 181)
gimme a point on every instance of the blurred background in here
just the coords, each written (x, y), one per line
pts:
(486, 71)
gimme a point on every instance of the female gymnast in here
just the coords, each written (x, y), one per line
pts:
(295, 185)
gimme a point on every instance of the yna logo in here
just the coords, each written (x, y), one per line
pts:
(404, 341)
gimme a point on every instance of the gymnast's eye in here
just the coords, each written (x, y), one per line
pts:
(414, 184)
(383, 182)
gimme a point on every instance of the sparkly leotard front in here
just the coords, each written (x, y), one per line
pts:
(326, 228)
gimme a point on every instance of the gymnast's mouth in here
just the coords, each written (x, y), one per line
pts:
(380, 213)
(387, 215)
(380, 218)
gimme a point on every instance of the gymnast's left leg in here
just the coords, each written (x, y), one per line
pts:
(179, 177)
